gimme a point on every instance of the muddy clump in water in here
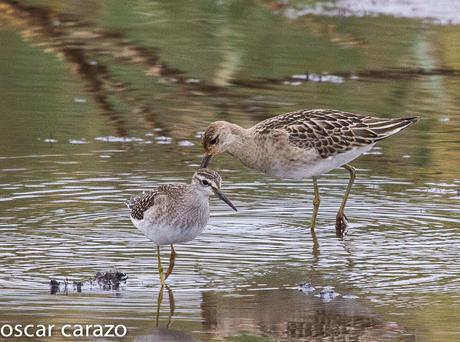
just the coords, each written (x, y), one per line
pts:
(110, 280)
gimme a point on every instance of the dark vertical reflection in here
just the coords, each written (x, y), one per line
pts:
(164, 333)
(290, 314)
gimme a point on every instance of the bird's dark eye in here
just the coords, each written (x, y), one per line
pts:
(213, 141)
(205, 182)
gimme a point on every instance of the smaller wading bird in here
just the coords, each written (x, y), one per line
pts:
(174, 213)
(303, 144)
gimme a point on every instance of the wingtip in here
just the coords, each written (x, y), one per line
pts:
(411, 120)
(414, 119)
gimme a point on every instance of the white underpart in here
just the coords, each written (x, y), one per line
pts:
(321, 166)
(166, 234)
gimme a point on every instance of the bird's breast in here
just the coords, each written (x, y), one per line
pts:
(276, 157)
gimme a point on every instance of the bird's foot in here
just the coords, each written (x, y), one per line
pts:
(341, 224)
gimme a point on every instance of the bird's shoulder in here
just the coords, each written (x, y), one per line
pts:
(328, 131)
(161, 193)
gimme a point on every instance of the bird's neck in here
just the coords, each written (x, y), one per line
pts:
(242, 144)
(194, 209)
(197, 195)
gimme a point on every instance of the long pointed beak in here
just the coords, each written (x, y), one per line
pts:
(205, 161)
(224, 198)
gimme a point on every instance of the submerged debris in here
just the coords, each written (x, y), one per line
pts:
(306, 287)
(326, 294)
(107, 281)
(117, 139)
(185, 143)
(54, 286)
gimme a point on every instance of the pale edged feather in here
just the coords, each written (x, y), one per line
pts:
(331, 132)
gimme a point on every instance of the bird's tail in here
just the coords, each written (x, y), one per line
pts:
(386, 127)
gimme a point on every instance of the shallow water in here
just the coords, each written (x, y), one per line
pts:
(103, 100)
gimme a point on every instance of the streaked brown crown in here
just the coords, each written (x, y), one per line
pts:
(210, 176)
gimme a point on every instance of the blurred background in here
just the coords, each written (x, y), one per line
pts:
(100, 100)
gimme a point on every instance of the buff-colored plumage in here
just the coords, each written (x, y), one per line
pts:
(302, 144)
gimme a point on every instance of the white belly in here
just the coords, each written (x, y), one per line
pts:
(310, 167)
(165, 234)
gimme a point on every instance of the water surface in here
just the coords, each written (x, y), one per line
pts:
(102, 100)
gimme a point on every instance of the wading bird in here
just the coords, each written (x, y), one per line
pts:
(174, 213)
(303, 144)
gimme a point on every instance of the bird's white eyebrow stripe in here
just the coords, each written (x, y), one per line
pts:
(211, 178)
(211, 181)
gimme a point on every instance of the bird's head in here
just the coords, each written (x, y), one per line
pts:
(216, 139)
(208, 182)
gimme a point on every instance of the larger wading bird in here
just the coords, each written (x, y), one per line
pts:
(303, 144)
(174, 213)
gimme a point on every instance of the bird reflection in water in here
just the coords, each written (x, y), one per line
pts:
(172, 306)
(165, 333)
(292, 315)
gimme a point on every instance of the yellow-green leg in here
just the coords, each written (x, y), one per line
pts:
(172, 260)
(340, 220)
(160, 268)
(159, 301)
(172, 306)
(316, 202)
